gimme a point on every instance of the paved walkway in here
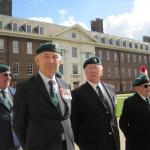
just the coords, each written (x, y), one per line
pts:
(122, 141)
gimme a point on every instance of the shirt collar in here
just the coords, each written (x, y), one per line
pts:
(45, 78)
(6, 90)
(143, 97)
(94, 85)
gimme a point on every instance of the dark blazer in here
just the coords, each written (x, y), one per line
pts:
(37, 122)
(135, 123)
(94, 127)
(8, 140)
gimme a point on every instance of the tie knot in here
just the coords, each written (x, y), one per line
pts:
(3, 93)
(52, 83)
(52, 86)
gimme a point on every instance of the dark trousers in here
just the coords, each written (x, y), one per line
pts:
(64, 145)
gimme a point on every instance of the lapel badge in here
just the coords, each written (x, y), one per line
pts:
(66, 94)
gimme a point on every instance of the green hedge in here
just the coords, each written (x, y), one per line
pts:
(121, 98)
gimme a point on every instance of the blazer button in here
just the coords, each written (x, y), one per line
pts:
(110, 133)
(107, 112)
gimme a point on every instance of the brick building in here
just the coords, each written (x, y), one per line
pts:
(121, 57)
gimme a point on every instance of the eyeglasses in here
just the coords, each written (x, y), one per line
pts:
(7, 74)
(146, 85)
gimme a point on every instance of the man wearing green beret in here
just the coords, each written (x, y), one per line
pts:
(8, 139)
(93, 116)
(42, 106)
(135, 117)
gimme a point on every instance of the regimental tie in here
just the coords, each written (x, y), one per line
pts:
(148, 101)
(53, 93)
(104, 100)
(6, 100)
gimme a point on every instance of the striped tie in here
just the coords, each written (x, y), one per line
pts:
(53, 93)
(103, 99)
(6, 100)
(148, 101)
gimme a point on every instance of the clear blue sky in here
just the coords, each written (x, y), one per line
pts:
(82, 10)
(129, 18)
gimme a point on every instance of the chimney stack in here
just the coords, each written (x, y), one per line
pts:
(146, 39)
(97, 25)
(6, 7)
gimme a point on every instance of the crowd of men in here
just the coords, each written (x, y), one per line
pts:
(42, 113)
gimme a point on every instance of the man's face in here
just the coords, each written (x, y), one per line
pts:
(93, 72)
(48, 62)
(144, 89)
(5, 79)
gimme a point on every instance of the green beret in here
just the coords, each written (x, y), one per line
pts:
(4, 68)
(140, 80)
(47, 47)
(92, 60)
(58, 74)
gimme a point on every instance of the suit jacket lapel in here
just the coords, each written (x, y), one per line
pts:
(140, 101)
(67, 103)
(41, 86)
(94, 95)
(2, 104)
(110, 97)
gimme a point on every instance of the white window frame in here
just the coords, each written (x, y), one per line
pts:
(116, 72)
(15, 68)
(29, 48)
(128, 57)
(129, 72)
(109, 71)
(87, 55)
(30, 69)
(15, 47)
(75, 69)
(140, 58)
(74, 52)
(108, 55)
(122, 57)
(1, 46)
(134, 58)
(115, 56)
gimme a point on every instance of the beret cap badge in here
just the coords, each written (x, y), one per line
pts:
(48, 47)
(92, 60)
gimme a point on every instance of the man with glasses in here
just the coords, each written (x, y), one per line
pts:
(42, 105)
(135, 117)
(8, 140)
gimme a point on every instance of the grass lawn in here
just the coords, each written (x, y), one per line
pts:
(121, 98)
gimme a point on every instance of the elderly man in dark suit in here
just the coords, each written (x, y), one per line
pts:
(8, 140)
(135, 117)
(93, 111)
(42, 106)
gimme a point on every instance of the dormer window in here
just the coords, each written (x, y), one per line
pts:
(130, 44)
(136, 45)
(14, 26)
(118, 42)
(111, 41)
(39, 30)
(103, 40)
(1, 25)
(141, 46)
(146, 47)
(124, 44)
(28, 28)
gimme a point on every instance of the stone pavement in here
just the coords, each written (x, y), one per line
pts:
(122, 140)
